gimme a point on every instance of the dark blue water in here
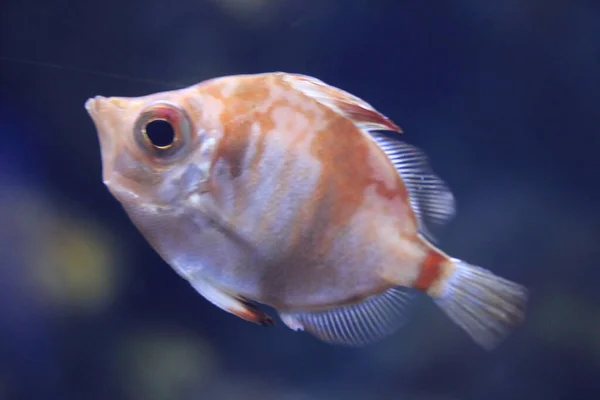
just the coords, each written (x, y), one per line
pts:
(504, 96)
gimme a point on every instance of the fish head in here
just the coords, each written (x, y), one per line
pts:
(156, 150)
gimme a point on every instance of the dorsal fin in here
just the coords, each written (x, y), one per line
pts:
(344, 103)
(430, 198)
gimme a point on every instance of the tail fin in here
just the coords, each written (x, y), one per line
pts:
(483, 304)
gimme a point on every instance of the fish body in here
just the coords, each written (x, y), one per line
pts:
(280, 189)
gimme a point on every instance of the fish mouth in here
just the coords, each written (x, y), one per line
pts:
(90, 103)
(94, 106)
(98, 108)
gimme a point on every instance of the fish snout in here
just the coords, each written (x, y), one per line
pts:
(98, 109)
(95, 105)
(101, 112)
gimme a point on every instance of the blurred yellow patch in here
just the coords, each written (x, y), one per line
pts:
(164, 364)
(64, 258)
(79, 266)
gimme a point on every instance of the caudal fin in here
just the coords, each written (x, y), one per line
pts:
(483, 304)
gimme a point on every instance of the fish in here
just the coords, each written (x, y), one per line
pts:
(277, 189)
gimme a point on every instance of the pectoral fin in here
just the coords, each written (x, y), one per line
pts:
(235, 305)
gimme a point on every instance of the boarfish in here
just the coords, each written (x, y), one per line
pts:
(279, 189)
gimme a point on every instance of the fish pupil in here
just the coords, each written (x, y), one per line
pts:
(160, 133)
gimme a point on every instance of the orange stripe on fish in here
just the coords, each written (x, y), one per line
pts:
(237, 119)
(431, 270)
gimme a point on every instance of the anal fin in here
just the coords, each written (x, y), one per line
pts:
(233, 304)
(358, 324)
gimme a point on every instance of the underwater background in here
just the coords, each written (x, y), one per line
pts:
(503, 96)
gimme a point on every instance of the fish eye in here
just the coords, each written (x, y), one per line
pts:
(163, 130)
(160, 133)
